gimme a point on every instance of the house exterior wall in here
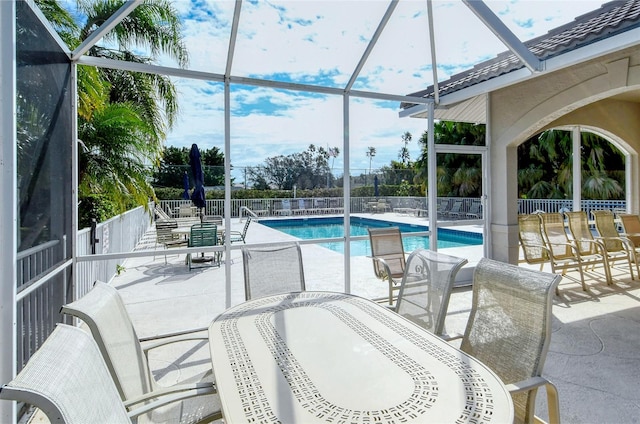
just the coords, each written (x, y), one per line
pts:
(590, 95)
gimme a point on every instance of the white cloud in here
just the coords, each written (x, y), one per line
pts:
(322, 42)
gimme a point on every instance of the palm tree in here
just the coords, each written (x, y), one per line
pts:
(404, 155)
(545, 167)
(137, 109)
(371, 153)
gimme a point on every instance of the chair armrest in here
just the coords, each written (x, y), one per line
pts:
(163, 340)
(451, 337)
(173, 334)
(552, 395)
(387, 270)
(526, 385)
(169, 395)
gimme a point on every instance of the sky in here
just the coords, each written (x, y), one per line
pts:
(320, 43)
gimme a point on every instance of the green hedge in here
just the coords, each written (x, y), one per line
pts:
(367, 191)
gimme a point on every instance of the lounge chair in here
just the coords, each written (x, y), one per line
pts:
(67, 379)
(302, 210)
(272, 270)
(387, 253)
(426, 288)
(475, 210)
(456, 210)
(564, 254)
(285, 207)
(614, 249)
(509, 330)
(631, 227)
(161, 213)
(239, 236)
(125, 354)
(204, 235)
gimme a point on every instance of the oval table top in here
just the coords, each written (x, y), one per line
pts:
(333, 357)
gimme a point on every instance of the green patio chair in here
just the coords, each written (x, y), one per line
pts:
(203, 235)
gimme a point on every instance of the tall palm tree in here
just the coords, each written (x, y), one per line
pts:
(137, 108)
(371, 153)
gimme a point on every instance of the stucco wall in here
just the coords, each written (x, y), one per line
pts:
(590, 95)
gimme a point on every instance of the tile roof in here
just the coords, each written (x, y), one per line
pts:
(612, 18)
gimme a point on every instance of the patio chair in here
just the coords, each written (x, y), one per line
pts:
(272, 270)
(186, 211)
(566, 254)
(426, 288)
(443, 207)
(475, 210)
(203, 235)
(614, 241)
(532, 241)
(387, 253)
(613, 250)
(284, 207)
(509, 330)
(166, 237)
(67, 379)
(161, 213)
(239, 236)
(126, 356)
(456, 209)
(631, 227)
(213, 219)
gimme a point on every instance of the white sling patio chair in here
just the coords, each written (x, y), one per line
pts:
(103, 311)
(272, 270)
(509, 330)
(68, 380)
(387, 253)
(426, 288)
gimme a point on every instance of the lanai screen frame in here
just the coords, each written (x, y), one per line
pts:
(8, 128)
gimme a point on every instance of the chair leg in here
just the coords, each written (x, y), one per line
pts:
(553, 405)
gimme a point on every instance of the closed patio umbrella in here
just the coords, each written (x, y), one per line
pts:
(197, 197)
(185, 184)
(376, 190)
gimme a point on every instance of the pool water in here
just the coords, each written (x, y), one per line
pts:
(319, 228)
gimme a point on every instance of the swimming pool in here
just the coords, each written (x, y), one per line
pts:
(320, 228)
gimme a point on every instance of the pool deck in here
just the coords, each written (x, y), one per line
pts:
(594, 358)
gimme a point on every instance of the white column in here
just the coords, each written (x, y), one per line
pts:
(346, 186)
(432, 183)
(8, 206)
(577, 168)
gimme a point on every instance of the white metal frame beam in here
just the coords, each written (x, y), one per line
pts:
(107, 26)
(8, 191)
(501, 31)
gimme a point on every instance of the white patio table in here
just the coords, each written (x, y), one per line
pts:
(331, 357)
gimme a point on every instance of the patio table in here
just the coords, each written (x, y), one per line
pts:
(332, 357)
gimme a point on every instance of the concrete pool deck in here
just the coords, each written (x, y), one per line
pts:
(594, 358)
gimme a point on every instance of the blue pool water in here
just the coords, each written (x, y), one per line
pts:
(319, 228)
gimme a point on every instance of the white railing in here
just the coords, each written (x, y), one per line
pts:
(117, 235)
(527, 206)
